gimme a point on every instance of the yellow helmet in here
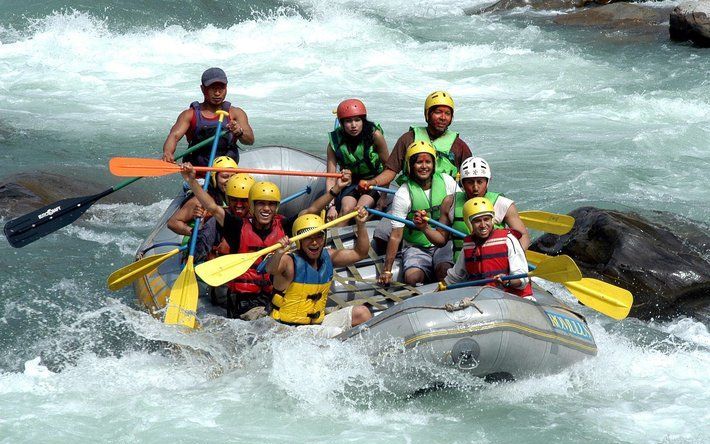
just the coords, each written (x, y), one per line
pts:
(221, 162)
(305, 223)
(415, 148)
(264, 191)
(435, 99)
(476, 207)
(238, 186)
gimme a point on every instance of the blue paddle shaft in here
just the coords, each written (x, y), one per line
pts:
(383, 189)
(296, 195)
(485, 281)
(196, 228)
(410, 224)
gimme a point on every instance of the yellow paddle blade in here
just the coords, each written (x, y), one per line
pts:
(547, 222)
(126, 275)
(223, 269)
(607, 299)
(557, 269)
(182, 304)
(535, 258)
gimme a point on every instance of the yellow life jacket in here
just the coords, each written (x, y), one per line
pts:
(304, 300)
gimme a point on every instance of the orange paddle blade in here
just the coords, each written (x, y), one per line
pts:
(139, 167)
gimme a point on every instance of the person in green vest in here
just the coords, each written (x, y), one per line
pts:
(424, 189)
(450, 149)
(475, 177)
(357, 145)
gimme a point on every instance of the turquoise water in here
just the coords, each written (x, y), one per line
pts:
(566, 119)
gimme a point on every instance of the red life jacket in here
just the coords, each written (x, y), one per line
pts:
(489, 259)
(249, 242)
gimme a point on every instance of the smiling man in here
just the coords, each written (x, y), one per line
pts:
(450, 149)
(490, 252)
(199, 122)
(303, 278)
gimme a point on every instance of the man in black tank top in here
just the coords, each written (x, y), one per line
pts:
(199, 122)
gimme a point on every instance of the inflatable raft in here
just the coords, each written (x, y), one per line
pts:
(480, 330)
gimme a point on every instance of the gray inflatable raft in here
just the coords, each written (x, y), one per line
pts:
(480, 330)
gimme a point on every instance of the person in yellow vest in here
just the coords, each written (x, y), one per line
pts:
(357, 145)
(450, 149)
(302, 278)
(475, 177)
(425, 189)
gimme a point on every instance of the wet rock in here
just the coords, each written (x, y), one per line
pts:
(536, 5)
(25, 192)
(616, 15)
(691, 21)
(665, 265)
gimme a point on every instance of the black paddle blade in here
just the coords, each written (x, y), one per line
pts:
(39, 223)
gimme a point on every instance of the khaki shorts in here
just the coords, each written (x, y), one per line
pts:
(426, 258)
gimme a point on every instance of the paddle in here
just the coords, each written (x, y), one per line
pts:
(383, 189)
(126, 275)
(48, 219)
(182, 303)
(555, 269)
(603, 297)
(132, 166)
(296, 195)
(410, 224)
(225, 268)
(547, 222)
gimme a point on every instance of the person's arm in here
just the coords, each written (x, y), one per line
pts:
(393, 164)
(517, 263)
(178, 222)
(331, 166)
(392, 246)
(462, 153)
(280, 265)
(457, 273)
(239, 126)
(182, 124)
(319, 204)
(380, 145)
(188, 173)
(343, 258)
(512, 219)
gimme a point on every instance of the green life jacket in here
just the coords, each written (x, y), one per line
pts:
(421, 202)
(445, 160)
(364, 163)
(459, 224)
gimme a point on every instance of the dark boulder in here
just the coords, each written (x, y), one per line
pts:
(691, 21)
(665, 264)
(25, 192)
(616, 15)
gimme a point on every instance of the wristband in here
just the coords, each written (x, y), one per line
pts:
(330, 191)
(387, 272)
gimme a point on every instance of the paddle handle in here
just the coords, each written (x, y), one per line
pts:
(410, 224)
(383, 189)
(443, 286)
(453, 231)
(296, 195)
(269, 172)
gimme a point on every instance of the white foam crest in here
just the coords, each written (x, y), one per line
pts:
(125, 241)
(394, 8)
(127, 215)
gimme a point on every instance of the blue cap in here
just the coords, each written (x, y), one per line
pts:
(213, 75)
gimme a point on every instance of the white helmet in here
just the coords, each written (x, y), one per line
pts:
(475, 167)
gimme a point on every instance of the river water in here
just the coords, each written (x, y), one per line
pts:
(565, 118)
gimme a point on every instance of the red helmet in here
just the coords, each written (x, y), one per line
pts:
(351, 108)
